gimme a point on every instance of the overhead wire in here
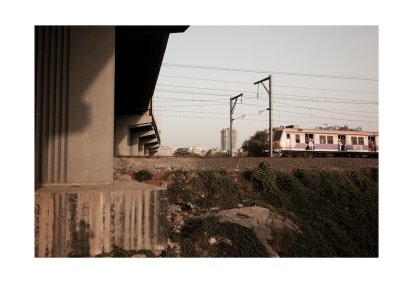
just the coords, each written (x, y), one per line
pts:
(269, 71)
(204, 79)
(277, 96)
(313, 108)
(257, 120)
(328, 99)
(162, 107)
(290, 112)
(274, 85)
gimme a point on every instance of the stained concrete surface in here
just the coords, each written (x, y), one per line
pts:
(87, 220)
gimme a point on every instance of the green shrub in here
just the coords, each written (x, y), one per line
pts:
(337, 211)
(263, 177)
(194, 240)
(309, 177)
(179, 191)
(143, 175)
(337, 218)
(218, 189)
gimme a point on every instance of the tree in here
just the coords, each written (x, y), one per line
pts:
(256, 144)
(213, 153)
(184, 152)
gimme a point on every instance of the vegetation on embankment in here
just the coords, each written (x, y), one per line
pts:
(336, 210)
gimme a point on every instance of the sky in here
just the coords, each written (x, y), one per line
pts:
(321, 76)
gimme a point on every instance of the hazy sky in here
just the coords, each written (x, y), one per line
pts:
(192, 104)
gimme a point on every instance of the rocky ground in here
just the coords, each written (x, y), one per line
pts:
(268, 227)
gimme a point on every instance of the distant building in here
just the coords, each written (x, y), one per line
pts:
(165, 151)
(198, 150)
(225, 139)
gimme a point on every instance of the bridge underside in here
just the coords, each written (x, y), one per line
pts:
(93, 90)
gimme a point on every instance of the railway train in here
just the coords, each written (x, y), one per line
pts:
(294, 141)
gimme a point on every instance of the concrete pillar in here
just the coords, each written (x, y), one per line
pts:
(149, 146)
(143, 140)
(51, 103)
(144, 143)
(74, 104)
(126, 128)
(91, 104)
(121, 139)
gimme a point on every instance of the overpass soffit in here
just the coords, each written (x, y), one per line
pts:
(148, 139)
(153, 147)
(151, 144)
(141, 127)
(139, 51)
(133, 30)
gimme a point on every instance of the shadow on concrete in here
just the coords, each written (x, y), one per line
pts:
(80, 240)
(69, 62)
(97, 55)
(62, 55)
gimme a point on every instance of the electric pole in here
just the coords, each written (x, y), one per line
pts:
(269, 91)
(231, 109)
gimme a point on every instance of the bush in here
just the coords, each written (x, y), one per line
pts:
(337, 218)
(143, 175)
(263, 177)
(210, 188)
(336, 211)
(179, 191)
(197, 232)
(218, 189)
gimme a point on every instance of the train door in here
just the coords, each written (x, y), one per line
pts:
(342, 142)
(288, 142)
(309, 141)
(371, 143)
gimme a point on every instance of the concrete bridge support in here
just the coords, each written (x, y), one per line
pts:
(74, 104)
(144, 142)
(130, 129)
(93, 85)
(89, 220)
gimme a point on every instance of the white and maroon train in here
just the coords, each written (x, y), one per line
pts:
(294, 141)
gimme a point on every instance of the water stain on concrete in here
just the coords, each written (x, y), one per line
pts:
(88, 220)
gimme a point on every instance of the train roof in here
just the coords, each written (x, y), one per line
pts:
(319, 131)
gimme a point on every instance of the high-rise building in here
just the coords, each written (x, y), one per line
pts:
(225, 138)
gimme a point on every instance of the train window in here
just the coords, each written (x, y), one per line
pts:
(330, 139)
(288, 136)
(361, 140)
(322, 139)
(297, 138)
(354, 140)
(277, 135)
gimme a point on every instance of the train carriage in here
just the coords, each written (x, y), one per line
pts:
(294, 141)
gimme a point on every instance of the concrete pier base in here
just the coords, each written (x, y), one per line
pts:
(87, 220)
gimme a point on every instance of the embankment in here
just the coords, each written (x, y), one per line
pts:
(332, 203)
